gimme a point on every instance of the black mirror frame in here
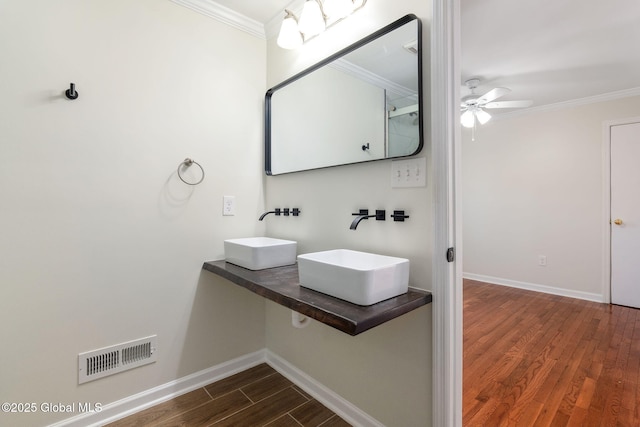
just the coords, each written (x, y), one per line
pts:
(387, 29)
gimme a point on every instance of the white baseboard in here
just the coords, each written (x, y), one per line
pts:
(148, 398)
(535, 287)
(322, 394)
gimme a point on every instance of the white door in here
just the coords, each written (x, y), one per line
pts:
(625, 214)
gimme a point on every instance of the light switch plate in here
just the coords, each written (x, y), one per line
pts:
(409, 173)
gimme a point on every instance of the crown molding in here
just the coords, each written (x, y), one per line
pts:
(611, 96)
(225, 15)
(376, 80)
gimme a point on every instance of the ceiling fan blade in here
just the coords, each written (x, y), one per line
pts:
(509, 104)
(493, 94)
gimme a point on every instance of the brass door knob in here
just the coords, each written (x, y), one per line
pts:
(618, 221)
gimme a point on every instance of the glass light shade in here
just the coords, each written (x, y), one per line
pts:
(482, 116)
(311, 21)
(289, 36)
(467, 119)
(337, 9)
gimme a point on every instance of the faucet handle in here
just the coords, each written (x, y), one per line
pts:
(399, 216)
(295, 212)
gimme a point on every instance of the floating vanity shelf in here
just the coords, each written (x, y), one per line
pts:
(282, 286)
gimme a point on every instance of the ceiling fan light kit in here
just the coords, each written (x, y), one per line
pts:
(467, 119)
(482, 116)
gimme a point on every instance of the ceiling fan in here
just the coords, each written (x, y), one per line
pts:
(473, 105)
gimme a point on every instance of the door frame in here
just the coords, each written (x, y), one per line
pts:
(445, 143)
(606, 202)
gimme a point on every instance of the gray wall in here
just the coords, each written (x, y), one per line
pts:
(533, 185)
(101, 242)
(385, 371)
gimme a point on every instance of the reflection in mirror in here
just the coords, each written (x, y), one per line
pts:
(363, 103)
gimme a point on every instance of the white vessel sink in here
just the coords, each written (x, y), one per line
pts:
(358, 277)
(258, 253)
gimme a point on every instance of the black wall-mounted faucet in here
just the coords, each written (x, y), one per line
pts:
(364, 214)
(278, 212)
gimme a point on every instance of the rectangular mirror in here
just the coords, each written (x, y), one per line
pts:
(361, 104)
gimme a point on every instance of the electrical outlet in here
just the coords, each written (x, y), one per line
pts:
(542, 260)
(409, 173)
(228, 205)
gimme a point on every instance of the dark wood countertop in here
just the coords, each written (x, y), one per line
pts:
(282, 286)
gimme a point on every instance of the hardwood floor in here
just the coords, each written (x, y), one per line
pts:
(259, 396)
(533, 359)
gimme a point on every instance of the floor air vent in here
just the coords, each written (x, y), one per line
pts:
(111, 360)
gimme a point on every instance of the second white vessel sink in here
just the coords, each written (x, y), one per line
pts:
(358, 277)
(258, 253)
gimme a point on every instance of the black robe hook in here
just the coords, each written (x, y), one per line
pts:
(71, 92)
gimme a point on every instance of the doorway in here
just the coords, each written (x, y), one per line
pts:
(624, 213)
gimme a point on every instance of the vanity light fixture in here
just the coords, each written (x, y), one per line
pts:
(315, 18)
(289, 36)
(338, 9)
(311, 21)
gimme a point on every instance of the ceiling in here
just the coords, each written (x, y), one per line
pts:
(548, 51)
(551, 51)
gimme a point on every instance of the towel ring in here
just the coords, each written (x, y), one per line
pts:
(188, 162)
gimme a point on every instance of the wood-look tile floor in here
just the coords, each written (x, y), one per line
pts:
(259, 396)
(533, 359)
